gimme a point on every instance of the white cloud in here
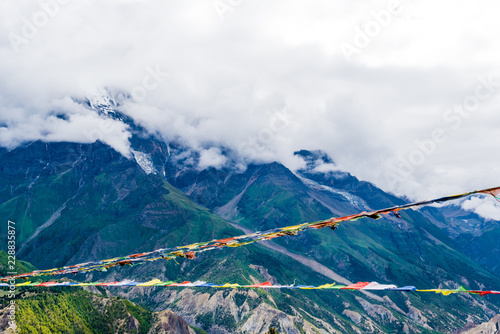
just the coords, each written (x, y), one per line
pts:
(486, 207)
(227, 81)
(325, 167)
(211, 158)
(78, 125)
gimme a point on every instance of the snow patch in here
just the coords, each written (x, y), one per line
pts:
(354, 200)
(144, 161)
(102, 101)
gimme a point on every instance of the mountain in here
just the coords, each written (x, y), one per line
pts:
(412, 249)
(480, 240)
(78, 202)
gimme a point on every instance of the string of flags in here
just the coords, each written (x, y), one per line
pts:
(368, 286)
(190, 251)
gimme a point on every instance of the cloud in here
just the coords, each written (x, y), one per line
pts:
(267, 79)
(488, 208)
(69, 121)
(211, 158)
(325, 168)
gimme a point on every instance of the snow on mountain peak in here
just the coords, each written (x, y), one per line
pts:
(102, 101)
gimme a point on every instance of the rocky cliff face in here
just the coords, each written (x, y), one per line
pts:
(490, 327)
(167, 322)
(238, 311)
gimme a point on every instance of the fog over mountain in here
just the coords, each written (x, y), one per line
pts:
(404, 94)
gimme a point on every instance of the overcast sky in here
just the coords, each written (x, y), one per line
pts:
(404, 94)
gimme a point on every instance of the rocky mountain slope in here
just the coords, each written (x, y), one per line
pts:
(490, 327)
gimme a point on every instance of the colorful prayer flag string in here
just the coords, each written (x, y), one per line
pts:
(360, 286)
(190, 251)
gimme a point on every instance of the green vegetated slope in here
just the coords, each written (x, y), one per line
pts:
(105, 206)
(95, 204)
(74, 310)
(49, 311)
(20, 266)
(63, 310)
